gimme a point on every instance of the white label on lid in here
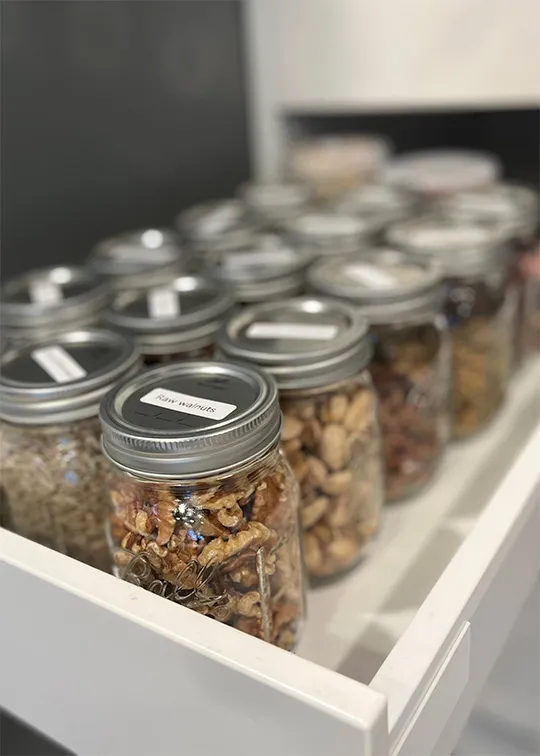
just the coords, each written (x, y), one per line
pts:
(59, 364)
(302, 331)
(259, 258)
(43, 291)
(370, 275)
(189, 405)
(163, 302)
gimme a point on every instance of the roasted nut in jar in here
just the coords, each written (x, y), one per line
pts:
(204, 505)
(318, 352)
(53, 472)
(402, 298)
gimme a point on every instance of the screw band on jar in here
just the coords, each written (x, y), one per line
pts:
(272, 204)
(204, 504)
(318, 351)
(213, 223)
(327, 233)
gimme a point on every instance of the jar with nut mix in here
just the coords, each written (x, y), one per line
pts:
(479, 307)
(403, 300)
(214, 223)
(327, 233)
(175, 321)
(53, 471)
(139, 259)
(204, 505)
(271, 204)
(43, 303)
(318, 351)
(265, 269)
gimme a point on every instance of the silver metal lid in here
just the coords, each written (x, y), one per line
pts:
(328, 233)
(275, 202)
(139, 258)
(267, 268)
(302, 343)
(215, 222)
(179, 316)
(51, 299)
(386, 284)
(192, 419)
(460, 248)
(389, 203)
(64, 379)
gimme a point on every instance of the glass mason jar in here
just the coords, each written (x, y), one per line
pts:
(204, 507)
(438, 173)
(43, 303)
(530, 265)
(515, 210)
(479, 307)
(382, 202)
(271, 205)
(403, 301)
(139, 259)
(53, 472)
(327, 233)
(176, 321)
(205, 226)
(334, 164)
(318, 352)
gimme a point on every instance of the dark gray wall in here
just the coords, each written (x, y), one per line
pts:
(115, 115)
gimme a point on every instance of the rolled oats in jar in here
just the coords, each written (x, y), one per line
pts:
(204, 506)
(272, 204)
(403, 300)
(318, 351)
(175, 321)
(53, 472)
(45, 302)
(268, 267)
(139, 259)
(479, 307)
(214, 223)
(325, 233)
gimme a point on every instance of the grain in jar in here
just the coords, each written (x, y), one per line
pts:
(403, 300)
(48, 301)
(174, 321)
(204, 506)
(318, 351)
(479, 307)
(272, 204)
(53, 472)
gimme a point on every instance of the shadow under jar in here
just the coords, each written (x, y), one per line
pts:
(53, 471)
(204, 504)
(479, 308)
(43, 303)
(139, 259)
(175, 321)
(266, 269)
(402, 300)
(318, 351)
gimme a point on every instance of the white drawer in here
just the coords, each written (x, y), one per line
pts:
(391, 660)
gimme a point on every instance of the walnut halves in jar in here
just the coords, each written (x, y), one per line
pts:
(53, 472)
(204, 506)
(318, 352)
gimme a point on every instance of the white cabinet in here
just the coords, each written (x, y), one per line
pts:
(391, 660)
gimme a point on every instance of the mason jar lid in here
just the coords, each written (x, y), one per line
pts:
(460, 248)
(387, 284)
(138, 258)
(438, 172)
(184, 313)
(191, 419)
(221, 220)
(267, 267)
(275, 201)
(52, 297)
(389, 203)
(64, 379)
(329, 232)
(302, 343)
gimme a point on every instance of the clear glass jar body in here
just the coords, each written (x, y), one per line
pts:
(226, 546)
(526, 275)
(332, 440)
(481, 316)
(200, 353)
(54, 483)
(411, 373)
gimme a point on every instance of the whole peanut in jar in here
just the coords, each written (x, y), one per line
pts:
(402, 298)
(318, 351)
(53, 471)
(479, 307)
(173, 321)
(204, 506)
